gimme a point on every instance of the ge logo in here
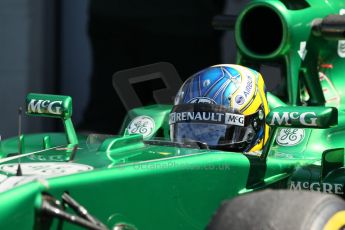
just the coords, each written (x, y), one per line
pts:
(290, 137)
(144, 125)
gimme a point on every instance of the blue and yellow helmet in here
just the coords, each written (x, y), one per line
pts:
(223, 106)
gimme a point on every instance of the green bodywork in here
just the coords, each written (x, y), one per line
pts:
(149, 183)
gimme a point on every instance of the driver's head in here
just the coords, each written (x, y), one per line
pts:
(224, 106)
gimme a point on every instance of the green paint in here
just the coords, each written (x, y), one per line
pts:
(152, 184)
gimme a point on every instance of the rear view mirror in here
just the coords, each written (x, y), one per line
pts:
(303, 117)
(54, 106)
(47, 105)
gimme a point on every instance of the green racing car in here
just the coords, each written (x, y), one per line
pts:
(159, 173)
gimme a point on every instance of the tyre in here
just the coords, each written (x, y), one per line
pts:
(281, 209)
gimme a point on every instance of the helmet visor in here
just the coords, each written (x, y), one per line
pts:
(214, 125)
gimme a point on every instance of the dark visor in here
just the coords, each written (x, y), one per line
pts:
(211, 124)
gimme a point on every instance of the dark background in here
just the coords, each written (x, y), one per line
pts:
(45, 48)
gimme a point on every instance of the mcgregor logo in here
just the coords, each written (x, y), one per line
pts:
(45, 106)
(318, 187)
(285, 118)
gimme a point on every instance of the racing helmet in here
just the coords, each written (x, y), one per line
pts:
(223, 106)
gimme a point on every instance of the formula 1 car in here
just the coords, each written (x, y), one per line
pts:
(139, 179)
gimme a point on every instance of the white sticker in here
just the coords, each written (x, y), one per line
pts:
(341, 43)
(37, 171)
(15, 181)
(222, 118)
(2, 178)
(302, 52)
(341, 48)
(45, 169)
(234, 119)
(290, 137)
(144, 125)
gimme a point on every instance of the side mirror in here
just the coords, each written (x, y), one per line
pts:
(54, 106)
(303, 117)
(46, 105)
